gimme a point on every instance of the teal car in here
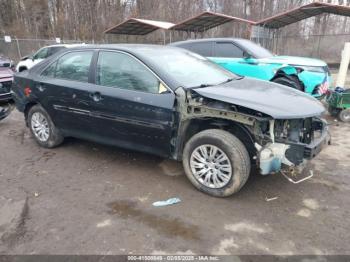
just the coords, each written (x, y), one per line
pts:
(245, 58)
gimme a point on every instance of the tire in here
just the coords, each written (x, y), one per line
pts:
(52, 137)
(344, 115)
(237, 162)
(5, 110)
(21, 69)
(291, 81)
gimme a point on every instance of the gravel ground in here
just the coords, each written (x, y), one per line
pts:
(84, 198)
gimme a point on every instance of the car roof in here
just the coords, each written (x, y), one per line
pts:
(207, 40)
(137, 50)
(131, 48)
(65, 45)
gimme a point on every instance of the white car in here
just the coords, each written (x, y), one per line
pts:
(29, 61)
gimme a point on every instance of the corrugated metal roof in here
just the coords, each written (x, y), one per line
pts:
(136, 26)
(205, 21)
(208, 20)
(303, 12)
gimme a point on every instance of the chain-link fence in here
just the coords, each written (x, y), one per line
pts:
(325, 47)
(18, 48)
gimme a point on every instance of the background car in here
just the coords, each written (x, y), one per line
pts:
(246, 58)
(173, 103)
(29, 61)
(6, 77)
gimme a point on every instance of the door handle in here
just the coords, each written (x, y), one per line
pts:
(96, 96)
(40, 87)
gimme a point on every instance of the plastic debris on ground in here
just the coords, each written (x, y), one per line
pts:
(170, 201)
(270, 199)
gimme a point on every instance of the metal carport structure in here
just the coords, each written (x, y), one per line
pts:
(207, 20)
(267, 30)
(137, 26)
(197, 24)
(301, 13)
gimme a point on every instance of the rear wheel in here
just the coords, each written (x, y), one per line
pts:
(344, 115)
(42, 128)
(216, 162)
(291, 81)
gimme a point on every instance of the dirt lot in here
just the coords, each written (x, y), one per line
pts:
(85, 198)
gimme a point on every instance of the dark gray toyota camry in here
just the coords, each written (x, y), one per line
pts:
(176, 104)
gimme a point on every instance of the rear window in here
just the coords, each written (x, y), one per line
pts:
(72, 66)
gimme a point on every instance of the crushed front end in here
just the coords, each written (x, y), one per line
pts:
(276, 145)
(286, 145)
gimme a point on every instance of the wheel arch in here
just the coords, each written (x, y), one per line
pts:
(193, 126)
(291, 73)
(286, 71)
(22, 68)
(27, 107)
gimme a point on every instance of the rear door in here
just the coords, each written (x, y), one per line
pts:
(130, 106)
(60, 84)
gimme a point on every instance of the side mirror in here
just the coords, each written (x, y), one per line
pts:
(246, 55)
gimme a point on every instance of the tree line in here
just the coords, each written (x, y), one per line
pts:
(85, 20)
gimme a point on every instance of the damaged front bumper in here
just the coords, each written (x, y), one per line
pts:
(291, 158)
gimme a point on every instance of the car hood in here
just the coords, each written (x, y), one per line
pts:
(275, 100)
(5, 72)
(294, 60)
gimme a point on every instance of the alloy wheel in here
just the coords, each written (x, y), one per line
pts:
(211, 166)
(40, 126)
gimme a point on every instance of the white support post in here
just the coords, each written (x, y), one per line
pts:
(18, 49)
(344, 64)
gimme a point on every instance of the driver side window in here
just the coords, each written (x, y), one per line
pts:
(123, 71)
(227, 49)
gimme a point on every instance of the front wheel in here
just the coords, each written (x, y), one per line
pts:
(42, 128)
(216, 162)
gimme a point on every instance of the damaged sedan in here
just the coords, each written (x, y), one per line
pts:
(176, 104)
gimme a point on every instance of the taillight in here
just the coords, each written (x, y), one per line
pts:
(27, 91)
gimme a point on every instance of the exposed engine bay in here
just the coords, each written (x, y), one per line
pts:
(280, 144)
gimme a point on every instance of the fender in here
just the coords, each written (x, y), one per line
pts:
(287, 70)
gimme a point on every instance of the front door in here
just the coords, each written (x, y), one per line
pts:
(129, 105)
(232, 57)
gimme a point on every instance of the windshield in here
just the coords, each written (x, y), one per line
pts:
(189, 69)
(254, 49)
